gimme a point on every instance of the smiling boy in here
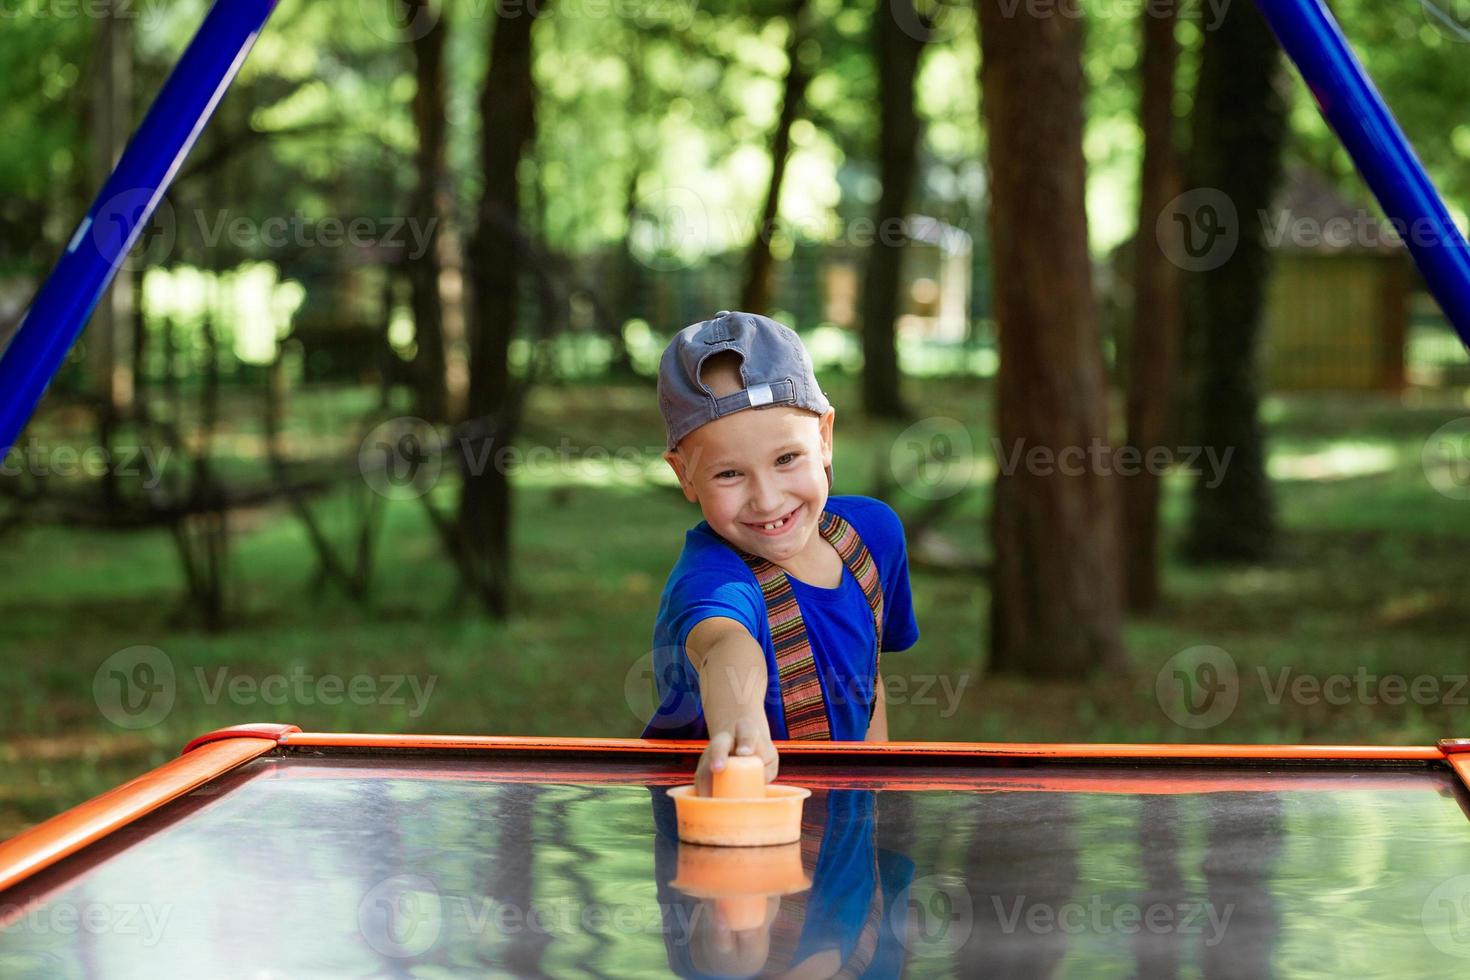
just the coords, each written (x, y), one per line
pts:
(773, 617)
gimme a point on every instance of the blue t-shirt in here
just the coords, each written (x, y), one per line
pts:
(710, 580)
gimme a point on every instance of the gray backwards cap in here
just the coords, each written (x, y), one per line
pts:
(774, 366)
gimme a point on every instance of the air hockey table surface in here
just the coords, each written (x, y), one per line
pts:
(264, 851)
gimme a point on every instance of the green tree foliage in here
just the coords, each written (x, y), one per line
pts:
(640, 101)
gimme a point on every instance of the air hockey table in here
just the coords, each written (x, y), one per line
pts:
(265, 851)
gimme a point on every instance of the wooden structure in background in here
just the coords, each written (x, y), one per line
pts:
(1337, 309)
(1337, 320)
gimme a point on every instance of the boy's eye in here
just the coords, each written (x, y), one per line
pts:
(726, 475)
(785, 458)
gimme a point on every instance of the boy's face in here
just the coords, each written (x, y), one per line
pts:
(760, 477)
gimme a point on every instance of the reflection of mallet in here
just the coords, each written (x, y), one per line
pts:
(741, 881)
(743, 812)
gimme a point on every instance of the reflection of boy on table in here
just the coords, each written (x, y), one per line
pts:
(843, 925)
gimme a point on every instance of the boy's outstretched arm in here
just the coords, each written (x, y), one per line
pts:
(732, 685)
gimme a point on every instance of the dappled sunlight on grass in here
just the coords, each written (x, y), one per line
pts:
(1339, 461)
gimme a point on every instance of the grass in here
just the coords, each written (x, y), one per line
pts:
(1369, 580)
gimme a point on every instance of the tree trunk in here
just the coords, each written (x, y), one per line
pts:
(1239, 130)
(111, 328)
(755, 294)
(430, 207)
(897, 52)
(1056, 597)
(1157, 309)
(507, 112)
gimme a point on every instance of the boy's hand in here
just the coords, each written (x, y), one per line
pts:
(747, 738)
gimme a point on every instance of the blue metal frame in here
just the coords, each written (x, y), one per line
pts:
(1355, 110)
(129, 197)
(124, 207)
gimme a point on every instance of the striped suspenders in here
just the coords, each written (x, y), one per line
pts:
(801, 689)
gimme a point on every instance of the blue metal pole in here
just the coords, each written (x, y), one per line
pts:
(1353, 107)
(123, 207)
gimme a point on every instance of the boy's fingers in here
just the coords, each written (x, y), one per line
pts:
(718, 749)
(712, 761)
(745, 738)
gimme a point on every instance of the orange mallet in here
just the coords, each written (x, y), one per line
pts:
(743, 811)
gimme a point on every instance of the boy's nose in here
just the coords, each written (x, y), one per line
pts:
(765, 496)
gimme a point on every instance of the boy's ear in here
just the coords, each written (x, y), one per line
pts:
(676, 463)
(824, 431)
